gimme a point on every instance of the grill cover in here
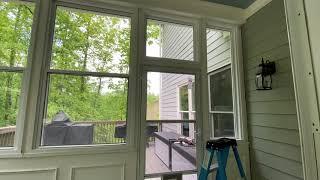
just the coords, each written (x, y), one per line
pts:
(61, 131)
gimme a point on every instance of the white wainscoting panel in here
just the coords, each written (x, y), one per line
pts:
(104, 172)
(38, 174)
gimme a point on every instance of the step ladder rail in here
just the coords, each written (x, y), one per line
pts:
(238, 160)
(222, 156)
(220, 148)
(206, 165)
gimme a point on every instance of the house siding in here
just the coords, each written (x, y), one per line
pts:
(177, 42)
(218, 50)
(272, 119)
(181, 47)
(169, 109)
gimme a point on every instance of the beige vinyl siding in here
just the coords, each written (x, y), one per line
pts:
(177, 42)
(219, 55)
(272, 120)
(169, 99)
(218, 50)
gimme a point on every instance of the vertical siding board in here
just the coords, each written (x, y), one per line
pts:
(272, 120)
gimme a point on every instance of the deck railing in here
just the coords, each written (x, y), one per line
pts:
(103, 133)
(7, 136)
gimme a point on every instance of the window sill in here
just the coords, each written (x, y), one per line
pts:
(79, 150)
(9, 152)
(67, 151)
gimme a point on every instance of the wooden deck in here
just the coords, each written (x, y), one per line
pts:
(154, 165)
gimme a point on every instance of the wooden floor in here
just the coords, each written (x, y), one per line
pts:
(154, 165)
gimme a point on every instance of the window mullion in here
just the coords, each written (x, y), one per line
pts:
(11, 69)
(87, 73)
(35, 70)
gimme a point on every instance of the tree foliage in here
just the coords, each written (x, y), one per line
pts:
(15, 28)
(83, 42)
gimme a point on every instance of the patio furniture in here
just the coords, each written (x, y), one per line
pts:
(188, 152)
(167, 142)
(61, 131)
(120, 131)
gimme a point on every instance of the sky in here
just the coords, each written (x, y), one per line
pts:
(153, 77)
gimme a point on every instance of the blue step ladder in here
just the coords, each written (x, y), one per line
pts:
(220, 148)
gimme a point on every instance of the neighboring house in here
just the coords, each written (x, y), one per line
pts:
(177, 90)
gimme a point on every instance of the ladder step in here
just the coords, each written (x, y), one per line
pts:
(213, 167)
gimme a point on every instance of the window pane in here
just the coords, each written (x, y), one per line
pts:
(168, 40)
(183, 96)
(10, 89)
(163, 99)
(223, 125)
(221, 91)
(185, 129)
(15, 32)
(184, 115)
(193, 97)
(85, 41)
(85, 110)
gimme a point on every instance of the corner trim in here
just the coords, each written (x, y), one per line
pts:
(255, 7)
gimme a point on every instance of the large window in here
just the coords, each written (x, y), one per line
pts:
(220, 80)
(88, 74)
(15, 32)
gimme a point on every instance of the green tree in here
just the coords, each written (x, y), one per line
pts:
(15, 31)
(89, 42)
(83, 41)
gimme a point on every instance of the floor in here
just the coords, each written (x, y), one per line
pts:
(154, 165)
(184, 177)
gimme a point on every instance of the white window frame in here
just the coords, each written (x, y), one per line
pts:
(190, 101)
(191, 113)
(211, 112)
(15, 151)
(166, 65)
(238, 88)
(33, 134)
(49, 72)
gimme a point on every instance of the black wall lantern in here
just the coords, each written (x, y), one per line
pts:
(264, 75)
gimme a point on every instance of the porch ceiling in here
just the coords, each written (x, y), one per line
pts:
(235, 3)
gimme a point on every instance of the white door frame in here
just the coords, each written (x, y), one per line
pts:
(305, 87)
(197, 67)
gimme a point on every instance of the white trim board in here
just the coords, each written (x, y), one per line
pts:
(193, 8)
(255, 7)
(304, 85)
